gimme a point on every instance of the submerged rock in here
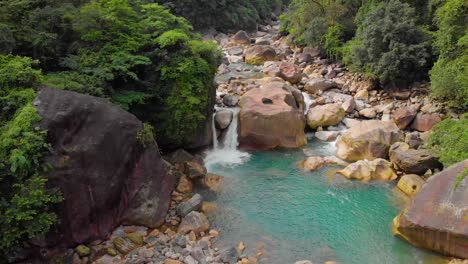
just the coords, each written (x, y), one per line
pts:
(271, 117)
(314, 163)
(106, 176)
(365, 170)
(367, 140)
(437, 217)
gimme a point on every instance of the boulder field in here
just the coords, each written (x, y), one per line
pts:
(105, 174)
(437, 217)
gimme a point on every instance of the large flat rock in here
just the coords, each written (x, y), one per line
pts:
(437, 218)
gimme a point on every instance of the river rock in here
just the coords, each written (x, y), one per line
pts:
(213, 181)
(185, 185)
(410, 184)
(413, 161)
(223, 118)
(229, 255)
(303, 262)
(285, 70)
(369, 139)
(317, 85)
(368, 113)
(235, 51)
(258, 54)
(365, 170)
(424, 122)
(325, 115)
(436, 218)
(314, 163)
(231, 100)
(403, 116)
(195, 169)
(347, 101)
(327, 135)
(241, 38)
(194, 221)
(271, 117)
(192, 204)
(106, 176)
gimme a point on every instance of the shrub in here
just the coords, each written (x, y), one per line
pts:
(146, 135)
(450, 140)
(449, 75)
(389, 45)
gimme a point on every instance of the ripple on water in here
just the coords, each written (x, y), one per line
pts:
(290, 215)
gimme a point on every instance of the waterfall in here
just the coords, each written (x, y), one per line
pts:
(308, 101)
(225, 153)
(213, 129)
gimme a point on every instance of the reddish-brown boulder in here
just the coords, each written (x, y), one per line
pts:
(424, 122)
(271, 117)
(404, 116)
(437, 218)
(106, 175)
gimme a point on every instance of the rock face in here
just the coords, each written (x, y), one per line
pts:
(424, 122)
(271, 117)
(437, 217)
(258, 54)
(404, 116)
(367, 140)
(416, 161)
(106, 176)
(365, 170)
(325, 115)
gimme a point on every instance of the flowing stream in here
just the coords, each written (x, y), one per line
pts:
(289, 215)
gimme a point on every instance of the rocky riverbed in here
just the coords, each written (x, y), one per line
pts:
(283, 91)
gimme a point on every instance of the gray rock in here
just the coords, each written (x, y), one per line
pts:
(223, 118)
(181, 241)
(303, 262)
(190, 260)
(231, 100)
(194, 221)
(193, 204)
(229, 255)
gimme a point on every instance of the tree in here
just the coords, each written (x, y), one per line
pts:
(389, 45)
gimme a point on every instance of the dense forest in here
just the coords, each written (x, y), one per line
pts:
(145, 56)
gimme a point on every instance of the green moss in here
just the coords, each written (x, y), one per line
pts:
(146, 135)
(136, 238)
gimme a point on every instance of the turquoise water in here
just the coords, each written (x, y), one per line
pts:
(290, 215)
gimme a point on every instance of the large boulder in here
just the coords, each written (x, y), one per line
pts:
(317, 85)
(325, 115)
(404, 116)
(258, 54)
(365, 170)
(285, 70)
(436, 218)
(413, 161)
(241, 38)
(369, 139)
(271, 117)
(424, 122)
(223, 118)
(410, 184)
(106, 175)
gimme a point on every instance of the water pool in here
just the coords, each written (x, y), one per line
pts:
(289, 215)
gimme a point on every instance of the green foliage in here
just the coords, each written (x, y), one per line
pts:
(146, 135)
(449, 75)
(226, 14)
(322, 24)
(389, 44)
(460, 178)
(24, 201)
(450, 140)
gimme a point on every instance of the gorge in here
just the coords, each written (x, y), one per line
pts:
(127, 137)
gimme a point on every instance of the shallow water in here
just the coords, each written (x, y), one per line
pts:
(289, 215)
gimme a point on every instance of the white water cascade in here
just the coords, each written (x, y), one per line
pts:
(226, 153)
(308, 101)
